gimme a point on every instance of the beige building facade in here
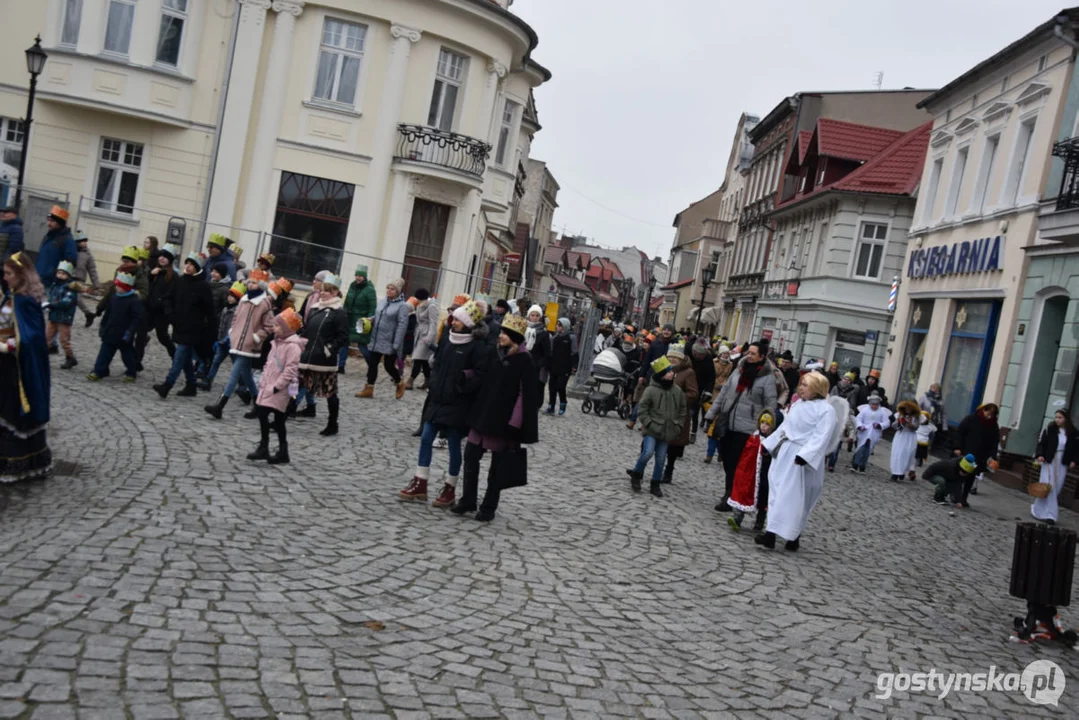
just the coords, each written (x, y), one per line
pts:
(331, 133)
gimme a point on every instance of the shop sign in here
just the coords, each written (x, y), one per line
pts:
(766, 334)
(792, 287)
(850, 337)
(969, 256)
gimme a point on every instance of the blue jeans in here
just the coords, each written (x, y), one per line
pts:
(220, 353)
(108, 352)
(834, 457)
(307, 395)
(713, 445)
(861, 455)
(342, 354)
(453, 436)
(652, 446)
(241, 372)
(182, 360)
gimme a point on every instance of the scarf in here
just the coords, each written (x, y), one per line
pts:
(747, 376)
(665, 384)
(252, 294)
(457, 338)
(530, 334)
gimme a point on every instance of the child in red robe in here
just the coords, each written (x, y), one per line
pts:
(749, 493)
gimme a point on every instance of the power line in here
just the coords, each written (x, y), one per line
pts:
(611, 209)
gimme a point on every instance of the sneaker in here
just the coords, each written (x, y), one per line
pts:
(129, 379)
(707, 459)
(93, 377)
(416, 490)
(446, 497)
(943, 501)
(441, 443)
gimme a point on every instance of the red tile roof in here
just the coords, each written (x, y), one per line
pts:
(554, 255)
(656, 302)
(677, 285)
(569, 282)
(804, 136)
(896, 170)
(616, 273)
(850, 141)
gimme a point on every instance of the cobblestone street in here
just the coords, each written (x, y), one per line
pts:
(166, 576)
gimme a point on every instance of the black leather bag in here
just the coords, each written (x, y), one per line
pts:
(511, 468)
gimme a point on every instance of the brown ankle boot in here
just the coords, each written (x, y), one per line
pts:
(367, 392)
(400, 390)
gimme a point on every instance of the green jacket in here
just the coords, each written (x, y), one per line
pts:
(662, 412)
(360, 303)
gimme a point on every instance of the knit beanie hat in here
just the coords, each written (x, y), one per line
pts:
(502, 304)
(399, 283)
(361, 271)
(676, 352)
(700, 348)
(535, 309)
(969, 464)
(125, 282)
(221, 269)
(564, 322)
(238, 289)
(515, 327)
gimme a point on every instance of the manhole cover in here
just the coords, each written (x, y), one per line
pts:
(64, 468)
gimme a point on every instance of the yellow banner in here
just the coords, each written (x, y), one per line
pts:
(552, 316)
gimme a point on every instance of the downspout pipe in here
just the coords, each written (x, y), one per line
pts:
(1062, 22)
(220, 117)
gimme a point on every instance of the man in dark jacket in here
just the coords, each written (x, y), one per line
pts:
(833, 375)
(790, 372)
(11, 225)
(950, 478)
(872, 386)
(217, 250)
(978, 435)
(192, 325)
(59, 244)
(563, 351)
(459, 372)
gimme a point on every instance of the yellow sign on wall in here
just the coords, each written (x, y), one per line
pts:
(551, 312)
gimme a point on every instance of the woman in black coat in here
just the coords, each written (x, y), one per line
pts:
(160, 305)
(978, 435)
(459, 370)
(504, 417)
(563, 353)
(326, 330)
(192, 324)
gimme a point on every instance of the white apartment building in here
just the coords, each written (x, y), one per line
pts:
(329, 132)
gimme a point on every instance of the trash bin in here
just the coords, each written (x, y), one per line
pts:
(1043, 562)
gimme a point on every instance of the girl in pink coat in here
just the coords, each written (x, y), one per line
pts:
(280, 372)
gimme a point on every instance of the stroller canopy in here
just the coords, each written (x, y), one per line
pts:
(609, 364)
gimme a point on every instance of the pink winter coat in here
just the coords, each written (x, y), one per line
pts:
(281, 370)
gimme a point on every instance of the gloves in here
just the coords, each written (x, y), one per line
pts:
(5, 348)
(799, 460)
(876, 426)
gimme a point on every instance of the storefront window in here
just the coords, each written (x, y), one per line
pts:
(973, 332)
(920, 317)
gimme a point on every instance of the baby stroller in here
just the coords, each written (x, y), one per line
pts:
(607, 369)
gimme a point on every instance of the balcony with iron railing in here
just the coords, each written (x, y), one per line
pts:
(1059, 222)
(436, 148)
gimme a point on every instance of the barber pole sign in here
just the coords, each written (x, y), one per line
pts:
(894, 294)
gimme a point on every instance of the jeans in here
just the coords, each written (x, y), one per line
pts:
(557, 385)
(861, 455)
(241, 372)
(183, 359)
(388, 361)
(342, 356)
(834, 457)
(713, 445)
(305, 396)
(453, 437)
(220, 354)
(652, 446)
(108, 352)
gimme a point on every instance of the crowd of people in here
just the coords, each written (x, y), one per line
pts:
(777, 427)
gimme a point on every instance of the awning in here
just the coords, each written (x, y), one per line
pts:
(710, 317)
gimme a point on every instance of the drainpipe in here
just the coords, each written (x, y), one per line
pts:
(220, 119)
(1058, 31)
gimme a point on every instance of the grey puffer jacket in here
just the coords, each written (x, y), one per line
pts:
(739, 413)
(426, 330)
(389, 326)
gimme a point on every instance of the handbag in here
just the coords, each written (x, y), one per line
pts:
(511, 468)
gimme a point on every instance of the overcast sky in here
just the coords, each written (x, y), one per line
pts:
(646, 94)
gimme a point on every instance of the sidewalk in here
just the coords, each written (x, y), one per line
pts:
(992, 499)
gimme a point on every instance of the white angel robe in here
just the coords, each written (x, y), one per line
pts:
(794, 489)
(867, 417)
(904, 444)
(1053, 473)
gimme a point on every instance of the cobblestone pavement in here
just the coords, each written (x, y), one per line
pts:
(169, 577)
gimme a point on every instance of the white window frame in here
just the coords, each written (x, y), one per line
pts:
(447, 79)
(1019, 161)
(990, 151)
(506, 132)
(340, 52)
(72, 7)
(183, 15)
(936, 169)
(124, 152)
(13, 127)
(104, 43)
(861, 240)
(955, 185)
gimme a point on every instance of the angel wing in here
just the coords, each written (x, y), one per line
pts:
(842, 410)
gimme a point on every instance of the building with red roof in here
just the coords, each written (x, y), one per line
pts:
(840, 237)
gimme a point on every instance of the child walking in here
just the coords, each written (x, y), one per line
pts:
(281, 372)
(749, 493)
(662, 414)
(925, 433)
(870, 423)
(907, 421)
(192, 324)
(123, 314)
(85, 269)
(62, 300)
(221, 340)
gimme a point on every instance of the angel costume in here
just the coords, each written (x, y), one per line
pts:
(870, 424)
(904, 443)
(810, 431)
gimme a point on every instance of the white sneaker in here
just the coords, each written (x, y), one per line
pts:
(441, 443)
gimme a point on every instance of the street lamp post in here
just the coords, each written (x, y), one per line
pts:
(706, 279)
(35, 63)
(648, 301)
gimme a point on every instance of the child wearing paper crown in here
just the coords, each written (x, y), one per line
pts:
(281, 372)
(221, 340)
(192, 325)
(61, 302)
(662, 415)
(749, 493)
(123, 314)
